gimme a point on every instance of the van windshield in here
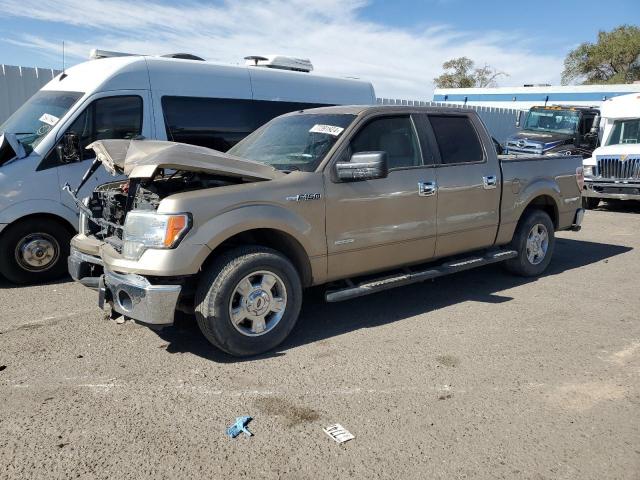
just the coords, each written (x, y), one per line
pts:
(294, 142)
(625, 131)
(31, 122)
(552, 120)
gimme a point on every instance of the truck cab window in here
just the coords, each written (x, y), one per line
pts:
(394, 135)
(457, 139)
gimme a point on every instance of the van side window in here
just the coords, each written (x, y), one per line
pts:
(104, 119)
(394, 135)
(457, 139)
(219, 123)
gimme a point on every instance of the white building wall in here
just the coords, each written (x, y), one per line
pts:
(18, 84)
(526, 97)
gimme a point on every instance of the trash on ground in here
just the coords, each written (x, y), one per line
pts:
(120, 320)
(240, 426)
(339, 433)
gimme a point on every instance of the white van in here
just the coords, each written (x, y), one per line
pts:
(127, 96)
(613, 171)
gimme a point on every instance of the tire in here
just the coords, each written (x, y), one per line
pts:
(590, 203)
(34, 250)
(533, 255)
(229, 311)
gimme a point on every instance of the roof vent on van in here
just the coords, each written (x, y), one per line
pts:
(183, 56)
(96, 54)
(280, 62)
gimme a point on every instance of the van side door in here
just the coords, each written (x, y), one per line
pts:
(387, 222)
(121, 115)
(469, 183)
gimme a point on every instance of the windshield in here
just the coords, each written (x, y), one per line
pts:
(555, 121)
(31, 122)
(625, 131)
(296, 142)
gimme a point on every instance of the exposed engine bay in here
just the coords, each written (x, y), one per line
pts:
(108, 205)
(155, 170)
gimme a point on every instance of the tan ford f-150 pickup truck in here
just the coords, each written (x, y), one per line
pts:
(360, 199)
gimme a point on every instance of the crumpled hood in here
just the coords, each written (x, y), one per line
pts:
(142, 158)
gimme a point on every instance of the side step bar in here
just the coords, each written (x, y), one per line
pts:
(385, 283)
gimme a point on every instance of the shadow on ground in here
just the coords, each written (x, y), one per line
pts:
(320, 320)
(622, 206)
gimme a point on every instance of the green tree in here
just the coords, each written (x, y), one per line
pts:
(614, 58)
(462, 73)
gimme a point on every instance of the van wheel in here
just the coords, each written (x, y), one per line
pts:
(248, 300)
(34, 250)
(590, 203)
(534, 241)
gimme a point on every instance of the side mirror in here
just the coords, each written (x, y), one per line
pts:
(518, 118)
(363, 166)
(595, 126)
(69, 149)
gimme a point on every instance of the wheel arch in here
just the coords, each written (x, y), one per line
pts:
(278, 240)
(547, 204)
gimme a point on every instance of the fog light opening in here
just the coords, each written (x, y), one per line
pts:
(125, 301)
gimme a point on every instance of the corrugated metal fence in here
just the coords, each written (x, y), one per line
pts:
(501, 122)
(18, 84)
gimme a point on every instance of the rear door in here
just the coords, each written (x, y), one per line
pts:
(376, 224)
(468, 182)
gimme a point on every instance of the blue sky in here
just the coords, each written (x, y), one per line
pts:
(398, 44)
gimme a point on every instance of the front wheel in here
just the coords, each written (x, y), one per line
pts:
(248, 301)
(534, 241)
(34, 250)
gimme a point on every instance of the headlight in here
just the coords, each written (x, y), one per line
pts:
(143, 230)
(588, 170)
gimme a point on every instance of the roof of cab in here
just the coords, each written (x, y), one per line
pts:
(372, 109)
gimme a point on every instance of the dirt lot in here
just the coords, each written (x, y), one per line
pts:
(479, 375)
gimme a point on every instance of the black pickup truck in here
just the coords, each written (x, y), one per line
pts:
(556, 130)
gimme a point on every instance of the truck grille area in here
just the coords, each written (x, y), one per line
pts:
(613, 167)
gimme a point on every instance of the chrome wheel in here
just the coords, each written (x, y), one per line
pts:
(537, 244)
(37, 252)
(258, 303)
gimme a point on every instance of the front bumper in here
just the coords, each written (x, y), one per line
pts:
(135, 297)
(613, 190)
(85, 269)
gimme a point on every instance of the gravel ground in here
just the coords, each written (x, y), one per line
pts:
(477, 375)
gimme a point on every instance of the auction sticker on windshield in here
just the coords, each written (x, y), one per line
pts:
(328, 129)
(49, 119)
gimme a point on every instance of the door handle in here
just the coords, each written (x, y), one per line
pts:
(427, 189)
(489, 182)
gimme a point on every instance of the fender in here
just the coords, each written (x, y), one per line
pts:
(250, 217)
(19, 210)
(514, 205)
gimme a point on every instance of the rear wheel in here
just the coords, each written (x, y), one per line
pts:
(248, 300)
(34, 250)
(590, 203)
(534, 241)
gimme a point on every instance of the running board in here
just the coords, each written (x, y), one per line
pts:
(385, 283)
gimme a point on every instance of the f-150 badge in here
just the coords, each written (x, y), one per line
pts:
(303, 197)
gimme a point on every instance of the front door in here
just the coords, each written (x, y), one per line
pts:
(377, 224)
(107, 117)
(468, 185)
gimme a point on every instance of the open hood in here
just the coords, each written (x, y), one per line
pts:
(142, 158)
(10, 148)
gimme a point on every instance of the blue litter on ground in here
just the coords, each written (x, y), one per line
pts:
(240, 426)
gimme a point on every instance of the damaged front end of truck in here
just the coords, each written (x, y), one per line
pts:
(121, 219)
